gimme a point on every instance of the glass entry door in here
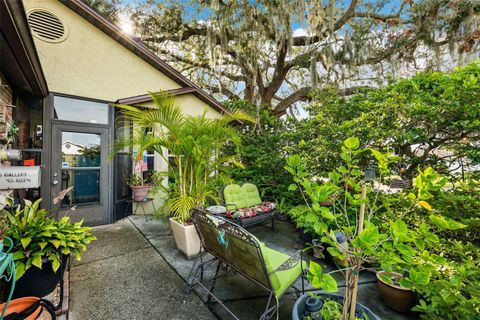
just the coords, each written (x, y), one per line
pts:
(79, 162)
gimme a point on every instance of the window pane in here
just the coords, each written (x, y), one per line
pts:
(80, 110)
(123, 172)
(86, 186)
(80, 150)
(81, 167)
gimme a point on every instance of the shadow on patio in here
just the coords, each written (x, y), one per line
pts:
(134, 271)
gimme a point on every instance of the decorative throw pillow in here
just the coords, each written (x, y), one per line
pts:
(244, 213)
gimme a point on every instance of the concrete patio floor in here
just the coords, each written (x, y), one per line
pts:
(134, 271)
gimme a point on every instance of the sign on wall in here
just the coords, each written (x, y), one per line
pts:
(19, 177)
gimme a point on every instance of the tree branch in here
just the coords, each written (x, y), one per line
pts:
(215, 89)
(304, 94)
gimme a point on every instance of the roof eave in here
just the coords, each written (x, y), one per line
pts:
(137, 48)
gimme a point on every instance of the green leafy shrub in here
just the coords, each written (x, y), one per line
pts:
(412, 249)
(462, 203)
(430, 119)
(37, 235)
(262, 156)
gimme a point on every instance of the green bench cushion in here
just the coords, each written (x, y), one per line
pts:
(280, 280)
(237, 197)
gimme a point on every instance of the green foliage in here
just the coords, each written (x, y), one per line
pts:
(392, 242)
(3, 226)
(461, 203)
(262, 156)
(107, 8)
(431, 119)
(332, 310)
(36, 235)
(193, 144)
(135, 180)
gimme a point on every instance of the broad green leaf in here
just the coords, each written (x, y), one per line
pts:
(420, 244)
(56, 243)
(25, 242)
(419, 278)
(352, 143)
(442, 223)
(19, 269)
(55, 262)
(315, 269)
(328, 283)
(42, 244)
(432, 238)
(407, 251)
(369, 237)
(320, 227)
(294, 161)
(17, 255)
(327, 213)
(37, 261)
(292, 187)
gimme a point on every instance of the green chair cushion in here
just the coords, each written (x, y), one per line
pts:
(280, 280)
(237, 197)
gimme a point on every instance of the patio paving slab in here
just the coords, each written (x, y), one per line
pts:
(287, 240)
(123, 277)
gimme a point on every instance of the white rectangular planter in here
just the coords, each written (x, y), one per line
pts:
(186, 238)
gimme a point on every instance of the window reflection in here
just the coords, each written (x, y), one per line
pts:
(80, 150)
(80, 110)
(81, 161)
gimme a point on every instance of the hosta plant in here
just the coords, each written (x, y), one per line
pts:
(37, 236)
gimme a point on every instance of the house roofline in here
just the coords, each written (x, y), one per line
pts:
(146, 97)
(140, 50)
(16, 31)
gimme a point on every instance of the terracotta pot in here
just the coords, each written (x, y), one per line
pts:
(140, 192)
(395, 297)
(186, 238)
(20, 304)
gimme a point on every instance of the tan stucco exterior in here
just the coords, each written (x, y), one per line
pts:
(89, 63)
(191, 105)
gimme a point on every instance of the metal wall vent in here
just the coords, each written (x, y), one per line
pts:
(46, 26)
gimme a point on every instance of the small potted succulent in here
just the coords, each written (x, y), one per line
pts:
(139, 189)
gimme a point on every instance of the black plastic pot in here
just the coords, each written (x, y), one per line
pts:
(37, 282)
(298, 311)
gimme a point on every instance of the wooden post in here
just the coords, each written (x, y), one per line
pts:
(358, 262)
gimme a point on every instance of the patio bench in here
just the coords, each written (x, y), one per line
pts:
(246, 208)
(235, 249)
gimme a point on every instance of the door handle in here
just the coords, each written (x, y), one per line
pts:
(54, 182)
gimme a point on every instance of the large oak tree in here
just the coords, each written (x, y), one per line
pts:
(275, 53)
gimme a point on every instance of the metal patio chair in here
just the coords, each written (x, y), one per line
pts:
(235, 249)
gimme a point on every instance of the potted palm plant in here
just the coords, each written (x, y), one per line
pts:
(191, 145)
